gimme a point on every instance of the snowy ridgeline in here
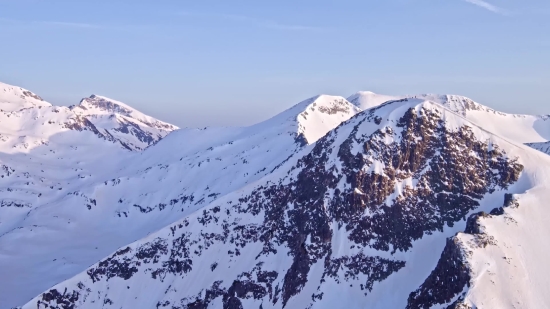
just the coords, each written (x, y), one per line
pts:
(420, 201)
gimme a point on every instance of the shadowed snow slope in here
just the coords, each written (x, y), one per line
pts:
(543, 147)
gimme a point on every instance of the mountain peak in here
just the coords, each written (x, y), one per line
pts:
(459, 104)
(106, 105)
(14, 98)
(456, 103)
(368, 99)
(97, 105)
(322, 114)
(311, 119)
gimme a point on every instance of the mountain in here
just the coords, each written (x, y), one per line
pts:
(27, 120)
(14, 98)
(133, 129)
(81, 212)
(47, 153)
(352, 215)
(521, 128)
(527, 129)
(417, 202)
(368, 99)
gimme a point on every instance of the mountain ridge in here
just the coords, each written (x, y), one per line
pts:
(321, 200)
(167, 253)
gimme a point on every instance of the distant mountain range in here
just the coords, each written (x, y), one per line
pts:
(375, 201)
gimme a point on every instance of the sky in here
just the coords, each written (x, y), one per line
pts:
(233, 63)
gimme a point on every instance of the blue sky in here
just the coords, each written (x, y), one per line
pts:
(202, 63)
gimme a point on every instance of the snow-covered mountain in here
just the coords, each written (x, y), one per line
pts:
(102, 202)
(14, 98)
(528, 129)
(417, 202)
(26, 120)
(133, 129)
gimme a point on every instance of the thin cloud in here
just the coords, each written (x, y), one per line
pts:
(51, 23)
(75, 25)
(70, 24)
(264, 23)
(6, 20)
(487, 6)
(273, 25)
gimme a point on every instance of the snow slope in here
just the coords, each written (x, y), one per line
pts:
(368, 99)
(512, 270)
(520, 128)
(14, 98)
(343, 223)
(121, 197)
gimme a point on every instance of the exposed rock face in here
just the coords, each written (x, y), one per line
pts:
(80, 123)
(27, 93)
(448, 279)
(381, 182)
(449, 180)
